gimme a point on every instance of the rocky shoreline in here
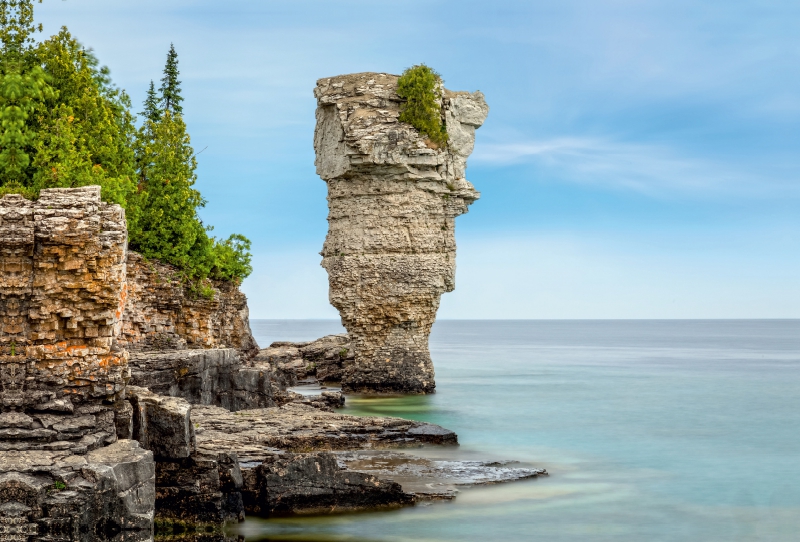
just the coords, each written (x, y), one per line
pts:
(131, 406)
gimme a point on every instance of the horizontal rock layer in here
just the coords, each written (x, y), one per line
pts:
(62, 293)
(161, 313)
(216, 376)
(107, 494)
(322, 359)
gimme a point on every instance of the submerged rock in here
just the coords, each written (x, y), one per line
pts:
(434, 478)
(393, 197)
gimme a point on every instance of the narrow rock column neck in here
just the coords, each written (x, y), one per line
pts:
(393, 197)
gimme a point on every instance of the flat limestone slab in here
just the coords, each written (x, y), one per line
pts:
(256, 434)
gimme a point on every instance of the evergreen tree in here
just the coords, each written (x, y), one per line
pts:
(151, 110)
(170, 85)
(63, 124)
(168, 228)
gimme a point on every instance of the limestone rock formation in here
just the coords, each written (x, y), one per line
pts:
(161, 314)
(63, 473)
(217, 376)
(322, 359)
(393, 197)
(62, 293)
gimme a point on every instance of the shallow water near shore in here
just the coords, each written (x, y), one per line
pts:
(651, 430)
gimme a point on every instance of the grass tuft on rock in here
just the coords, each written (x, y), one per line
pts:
(421, 86)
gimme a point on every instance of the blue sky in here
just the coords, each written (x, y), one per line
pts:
(640, 159)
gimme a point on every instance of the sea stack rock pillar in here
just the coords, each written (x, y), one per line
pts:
(393, 197)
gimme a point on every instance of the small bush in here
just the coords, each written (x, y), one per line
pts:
(421, 88)
(232, 258)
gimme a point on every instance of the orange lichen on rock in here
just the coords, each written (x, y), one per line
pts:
(62, 293)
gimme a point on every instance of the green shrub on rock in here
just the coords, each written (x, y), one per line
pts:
(421, 87)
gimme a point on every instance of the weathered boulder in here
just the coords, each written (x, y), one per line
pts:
(161, 424)
(393, 197)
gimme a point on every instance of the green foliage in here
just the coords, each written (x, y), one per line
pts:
(232, 258)
(169, 228)
(170, 86)
(421, 87)
(89, 122)
(63, 124)
(151, 111)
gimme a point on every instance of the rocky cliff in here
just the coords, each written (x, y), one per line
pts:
(162, 314)
(393, 197)
(63, 473)
(85, 455)
(73, 300)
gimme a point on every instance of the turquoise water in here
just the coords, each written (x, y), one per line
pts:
(651, 430)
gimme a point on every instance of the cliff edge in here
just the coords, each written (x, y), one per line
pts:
(393, 197)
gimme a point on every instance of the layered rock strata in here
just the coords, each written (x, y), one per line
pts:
(106, 494)
(286, 457)
(63, 472)
(192, 487)
(322, 360)
(161, 313)
(62, 293)
(86, 455)
(216, 376)
(393, 197)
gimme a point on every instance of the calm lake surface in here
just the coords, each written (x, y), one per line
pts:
(651, 431)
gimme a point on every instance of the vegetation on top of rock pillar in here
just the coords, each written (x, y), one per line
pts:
(421, 87)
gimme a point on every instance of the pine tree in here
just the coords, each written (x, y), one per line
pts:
(151, 110)
(169, 228)
(170, 85)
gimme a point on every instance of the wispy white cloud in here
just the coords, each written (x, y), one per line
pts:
(650, 169)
